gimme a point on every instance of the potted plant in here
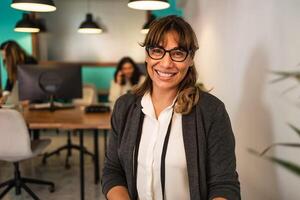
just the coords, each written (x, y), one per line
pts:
(289, 165)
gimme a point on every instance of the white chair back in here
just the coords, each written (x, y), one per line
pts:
(14, 135)
(89, 96)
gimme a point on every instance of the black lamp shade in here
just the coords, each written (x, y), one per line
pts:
(41, 24)
(89, 26)
(146, 26)
(26, 25)
(34, 5)
(148, 4)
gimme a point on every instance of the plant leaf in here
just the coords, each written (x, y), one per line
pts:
(297, 130)
(279, 79)
(285, 74)
(253, 152)
(292, 167)
(297, 145)
(289, 89)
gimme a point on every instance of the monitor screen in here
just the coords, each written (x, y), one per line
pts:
(39, 83)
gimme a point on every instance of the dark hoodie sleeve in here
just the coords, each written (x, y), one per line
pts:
(221, 168)
(113, 173)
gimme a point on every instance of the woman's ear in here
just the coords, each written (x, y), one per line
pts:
(147, 59)
(191, 63)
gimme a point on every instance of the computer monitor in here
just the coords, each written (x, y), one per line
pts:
(42, 83)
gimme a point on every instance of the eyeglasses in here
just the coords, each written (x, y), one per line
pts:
(177, 54)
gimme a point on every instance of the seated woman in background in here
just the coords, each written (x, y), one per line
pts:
(13, 55)
(126, 76)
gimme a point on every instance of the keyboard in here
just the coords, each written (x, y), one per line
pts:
(97, 109)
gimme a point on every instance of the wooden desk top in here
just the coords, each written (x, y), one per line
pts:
(74, 118)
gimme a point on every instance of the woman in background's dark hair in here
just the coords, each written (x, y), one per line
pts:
(127, 75)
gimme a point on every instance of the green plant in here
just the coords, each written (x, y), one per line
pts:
(291, 166)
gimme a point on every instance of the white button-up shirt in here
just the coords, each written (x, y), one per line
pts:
(149, 155)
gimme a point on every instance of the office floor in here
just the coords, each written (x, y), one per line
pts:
(66, 180)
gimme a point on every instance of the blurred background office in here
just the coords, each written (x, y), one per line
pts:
(241, 43)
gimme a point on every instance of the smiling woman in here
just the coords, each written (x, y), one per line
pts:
(168, 133)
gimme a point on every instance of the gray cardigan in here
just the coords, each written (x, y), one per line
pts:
(208, 141)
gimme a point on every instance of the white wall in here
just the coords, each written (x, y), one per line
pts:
(240, 42)
(121, 37)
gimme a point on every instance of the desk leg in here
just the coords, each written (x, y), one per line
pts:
(81, 165)
(96, 157)
(35, 134)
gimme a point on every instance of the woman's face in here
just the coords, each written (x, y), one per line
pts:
(127, 70)
(165, 73)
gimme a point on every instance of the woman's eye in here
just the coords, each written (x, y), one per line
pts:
(157, 51)
(178, 53)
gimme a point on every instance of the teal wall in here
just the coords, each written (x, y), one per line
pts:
(172, 10)
(9, 17)
(100, 76)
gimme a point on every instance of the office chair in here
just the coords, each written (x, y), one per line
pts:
(15, 146)
(89, 98)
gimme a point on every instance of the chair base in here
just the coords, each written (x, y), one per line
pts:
(20, 183)
(69, 146)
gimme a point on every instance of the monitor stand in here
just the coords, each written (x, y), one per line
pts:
(58, 105)
(51, 105)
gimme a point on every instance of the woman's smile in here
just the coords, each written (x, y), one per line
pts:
(165, 74)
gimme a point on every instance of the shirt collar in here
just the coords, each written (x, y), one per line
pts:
(147, 105)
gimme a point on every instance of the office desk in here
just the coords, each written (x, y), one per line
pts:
(72, 119)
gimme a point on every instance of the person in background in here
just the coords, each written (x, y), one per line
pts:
(170, 139)
(127, 75)
(13, 55)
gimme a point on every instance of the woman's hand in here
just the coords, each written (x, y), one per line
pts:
(118, 193)
(119, 77)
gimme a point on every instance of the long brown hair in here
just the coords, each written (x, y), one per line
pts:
(14, 55)
(188, 90)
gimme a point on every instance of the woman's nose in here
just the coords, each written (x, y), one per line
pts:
(166, 61)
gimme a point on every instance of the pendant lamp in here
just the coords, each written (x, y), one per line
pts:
(41, 24)
(148, 4)
(89, 26)
(26, 25)
(146, 26)
(34, 5)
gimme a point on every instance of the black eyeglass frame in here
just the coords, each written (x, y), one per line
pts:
(167, 51)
